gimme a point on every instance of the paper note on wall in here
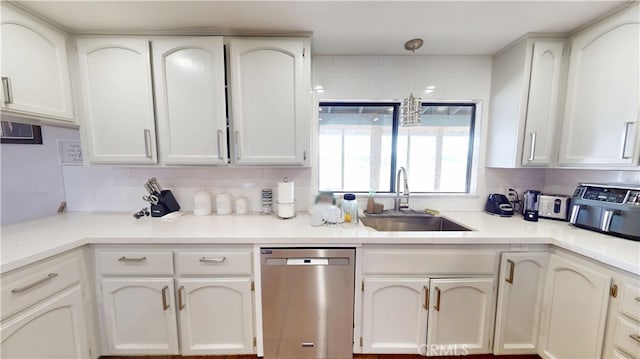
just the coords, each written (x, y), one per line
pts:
(69, 152)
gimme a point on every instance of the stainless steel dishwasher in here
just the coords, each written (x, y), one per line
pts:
(307, 303)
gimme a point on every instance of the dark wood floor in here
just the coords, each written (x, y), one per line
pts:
(355, 356)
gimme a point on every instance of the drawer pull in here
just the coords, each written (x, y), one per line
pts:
(213, 260)
(131, 259)
(165, 303)
(49, 277)
(635, 337)
(437, 306)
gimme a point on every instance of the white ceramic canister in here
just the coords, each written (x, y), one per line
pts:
(242, 205)
(202, 205)
(223, 203)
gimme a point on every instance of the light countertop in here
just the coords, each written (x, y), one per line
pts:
(30, 241)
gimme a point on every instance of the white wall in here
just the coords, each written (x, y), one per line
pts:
(32, 181)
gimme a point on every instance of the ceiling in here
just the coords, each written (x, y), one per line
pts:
(339, 27)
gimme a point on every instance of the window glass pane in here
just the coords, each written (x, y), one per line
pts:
(455, 152)
(355, 147)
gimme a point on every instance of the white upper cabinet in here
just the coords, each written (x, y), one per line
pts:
(603, 95)
(190, 100)
(527, 88)
(118, 119)
(270, 100)
(35, 71)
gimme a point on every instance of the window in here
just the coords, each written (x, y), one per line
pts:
(361, 147)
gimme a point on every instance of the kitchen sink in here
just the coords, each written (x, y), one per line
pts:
(412, 223)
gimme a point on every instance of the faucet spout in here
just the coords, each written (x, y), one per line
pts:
(399, 204)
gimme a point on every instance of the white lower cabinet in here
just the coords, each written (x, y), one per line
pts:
(54, 328)
(425, 316)
(460, 316)
(215, 315)
(574, 310)
(209, 310)
(394, 315)
(623, 322)
(139, 314)
(519, 302)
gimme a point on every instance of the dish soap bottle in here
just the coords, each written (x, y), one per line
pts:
(371, 204)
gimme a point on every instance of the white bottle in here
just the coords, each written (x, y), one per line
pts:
(242, 205)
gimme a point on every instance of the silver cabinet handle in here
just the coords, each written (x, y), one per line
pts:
(49, 277)
(625, 140)
(213, 260)
(131, 259)
(635, 337)
(237, 145)
(220, 144)
(147, 143)
(6, 89)
(512, 267)
(180, 300)
(165, 301)
(534, 136)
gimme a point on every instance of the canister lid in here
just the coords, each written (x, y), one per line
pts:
(349, 196)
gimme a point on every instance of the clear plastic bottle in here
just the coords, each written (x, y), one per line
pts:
(350, 209)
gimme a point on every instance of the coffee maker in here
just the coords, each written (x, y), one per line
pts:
(531, 205)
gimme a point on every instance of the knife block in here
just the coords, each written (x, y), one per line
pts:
(166, 204)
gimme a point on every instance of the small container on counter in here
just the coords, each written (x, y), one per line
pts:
(242, 205)
(223, 203)
(349, 210)
(202, 205)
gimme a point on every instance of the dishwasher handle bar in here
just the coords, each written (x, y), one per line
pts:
(307, 261)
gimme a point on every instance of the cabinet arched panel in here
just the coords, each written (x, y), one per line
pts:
(603, 94)
(216, 315)
(34, 61)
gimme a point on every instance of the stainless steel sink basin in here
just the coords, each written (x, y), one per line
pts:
(412, 223)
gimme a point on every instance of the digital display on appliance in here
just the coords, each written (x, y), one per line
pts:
(611, 195)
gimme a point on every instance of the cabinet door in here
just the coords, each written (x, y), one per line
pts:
(394, 317)
(460, 316)
(139, 316)
(35, 71)
(542, 107)
(519, 302)
(53, 328)
(603, 95)
(215, 316)
(270, 97)
(574, 311)
(118, 121)
(190, 100)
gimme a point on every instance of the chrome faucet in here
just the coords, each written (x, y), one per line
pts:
(399, 204)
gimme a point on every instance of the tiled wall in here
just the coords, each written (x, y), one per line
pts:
(32, 181)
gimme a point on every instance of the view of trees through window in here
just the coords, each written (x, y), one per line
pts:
(361, 146)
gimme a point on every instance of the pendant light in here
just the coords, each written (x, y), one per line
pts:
(411, 109)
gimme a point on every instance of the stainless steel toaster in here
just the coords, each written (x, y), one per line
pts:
(554, 206)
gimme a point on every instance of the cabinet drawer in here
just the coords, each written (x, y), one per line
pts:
(136, 262)
(213, 262)
(430, 262)
(28, 286)
(627, 337)
(630, 301)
